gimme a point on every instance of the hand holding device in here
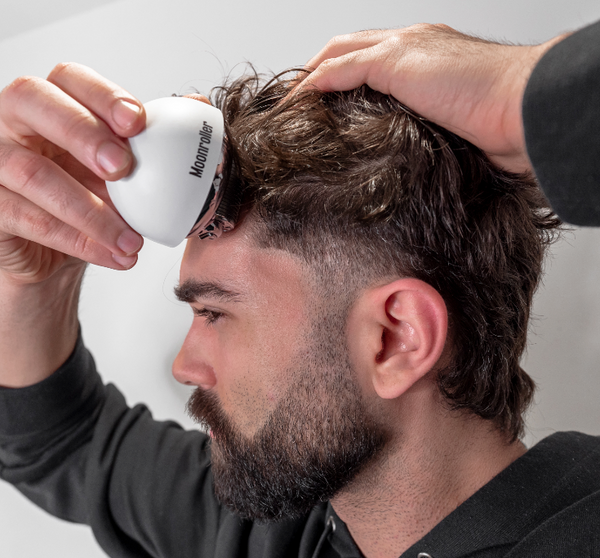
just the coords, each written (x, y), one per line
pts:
(60, 139)
(177, 186)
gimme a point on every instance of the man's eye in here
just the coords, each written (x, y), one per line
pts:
(209, 315)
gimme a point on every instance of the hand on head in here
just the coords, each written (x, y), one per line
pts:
(472, 87)
(60, 139)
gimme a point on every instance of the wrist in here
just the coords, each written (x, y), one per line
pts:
(38, 326)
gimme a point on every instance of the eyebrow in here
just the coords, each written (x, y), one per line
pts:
(191, 290)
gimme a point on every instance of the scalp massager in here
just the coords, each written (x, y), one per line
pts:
(177, 188)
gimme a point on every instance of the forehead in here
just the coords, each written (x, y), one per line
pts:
(234, 262)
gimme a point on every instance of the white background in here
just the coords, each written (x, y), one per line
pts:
(158, 47)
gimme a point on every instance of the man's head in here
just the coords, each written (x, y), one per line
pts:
(289, 421)
(373, 213)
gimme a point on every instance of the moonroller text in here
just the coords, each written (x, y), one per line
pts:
(205, 139)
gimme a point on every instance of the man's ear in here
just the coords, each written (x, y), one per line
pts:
(397, 333)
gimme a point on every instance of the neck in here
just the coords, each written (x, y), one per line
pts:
(435, 461)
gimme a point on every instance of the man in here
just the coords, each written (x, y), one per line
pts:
(357, 339)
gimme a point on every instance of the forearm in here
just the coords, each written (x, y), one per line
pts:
(38, 326)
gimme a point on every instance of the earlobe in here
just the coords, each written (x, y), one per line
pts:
(414, 322)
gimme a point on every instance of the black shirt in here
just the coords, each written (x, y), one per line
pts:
(73, 446)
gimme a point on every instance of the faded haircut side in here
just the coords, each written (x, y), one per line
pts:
(364, 190)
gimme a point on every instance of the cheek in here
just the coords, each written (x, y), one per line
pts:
(251, 373)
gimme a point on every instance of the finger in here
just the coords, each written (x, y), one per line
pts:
(21, 218)
(350, 71)
(344, 44)
(198, 97)
(32, 108)
(123, 113)
(334, 74)
(49, 187)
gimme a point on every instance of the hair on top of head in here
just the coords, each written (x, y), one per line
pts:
(363, 190)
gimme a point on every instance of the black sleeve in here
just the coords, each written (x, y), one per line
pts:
(72, 446)
(561, 114)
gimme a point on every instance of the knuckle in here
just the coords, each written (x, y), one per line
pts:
(394, 41)
(349, 38)
(341, 41)
(429, 28)
(16, 219)
(32, 176)
(92, 218)
(83, 245)
(19, 87)
(59, 71)
(6, 152)
(420, 27)
(76, 124)
(334, 41)
(42, 225)
(327, 64)
(11, 213)
(391, 50)
(27, 173)
(426, 37)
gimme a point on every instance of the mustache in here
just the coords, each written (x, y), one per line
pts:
(204, 408)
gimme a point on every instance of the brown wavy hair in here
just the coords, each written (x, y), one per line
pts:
(365, 190)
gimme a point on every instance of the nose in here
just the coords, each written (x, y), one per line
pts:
(191, 367)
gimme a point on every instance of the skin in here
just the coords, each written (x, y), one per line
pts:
(261, 322)
(241, 350)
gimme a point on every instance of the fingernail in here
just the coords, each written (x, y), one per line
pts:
(130, 242)
(125, 113)
(112, 157)
(126, 262)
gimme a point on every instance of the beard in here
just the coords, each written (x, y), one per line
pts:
(312, 445)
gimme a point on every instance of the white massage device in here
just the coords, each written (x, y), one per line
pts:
(176, 188)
